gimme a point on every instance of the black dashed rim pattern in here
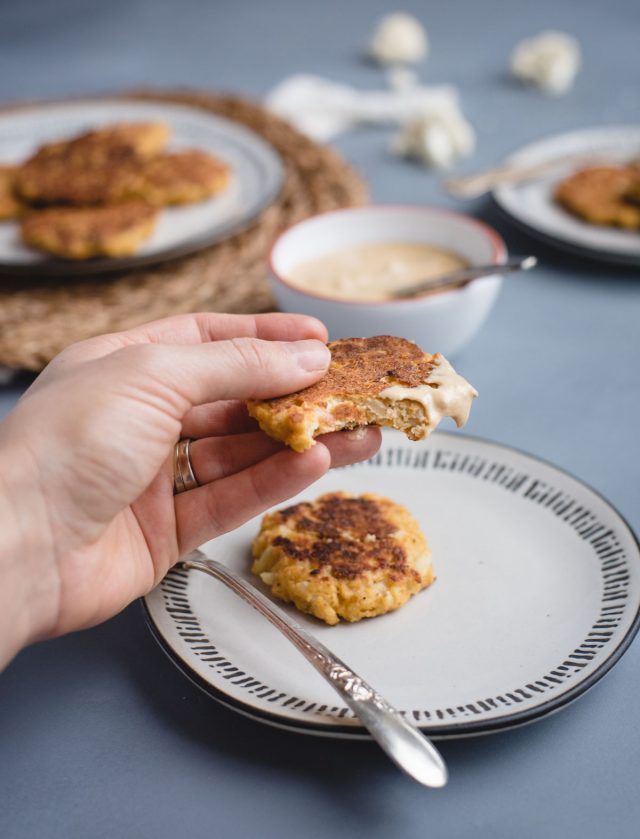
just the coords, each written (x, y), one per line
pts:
(557, 684)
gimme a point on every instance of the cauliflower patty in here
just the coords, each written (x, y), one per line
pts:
(343, 556)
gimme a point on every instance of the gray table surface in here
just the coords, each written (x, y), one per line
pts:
(99, 735)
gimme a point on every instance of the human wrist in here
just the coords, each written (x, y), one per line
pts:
(29, 591)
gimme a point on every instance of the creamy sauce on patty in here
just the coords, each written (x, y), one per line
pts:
(373, 272)
(444, 394)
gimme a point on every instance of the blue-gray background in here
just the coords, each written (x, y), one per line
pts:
(99, 735)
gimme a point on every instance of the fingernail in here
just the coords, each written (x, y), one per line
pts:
(310, 355)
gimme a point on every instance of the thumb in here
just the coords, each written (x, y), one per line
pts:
(240, 368)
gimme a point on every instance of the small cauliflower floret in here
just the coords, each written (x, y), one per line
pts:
(399, 38)
(550, 61)
(436, 139)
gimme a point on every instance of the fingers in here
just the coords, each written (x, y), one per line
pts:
(216, 508)
(248, 474)
(212, 326)
(217, 457)
(202, 328)
(179, 377)
(346, 447)
(214, 458)
(217, 418)
(188, 329)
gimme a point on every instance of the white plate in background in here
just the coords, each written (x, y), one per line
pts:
(256, 180)
(531, 204)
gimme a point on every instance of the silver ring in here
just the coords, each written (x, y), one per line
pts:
(184, 477)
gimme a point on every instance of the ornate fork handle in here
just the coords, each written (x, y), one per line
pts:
(348, 683)
(402, 742)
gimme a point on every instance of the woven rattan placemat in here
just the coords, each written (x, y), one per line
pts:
(37, 320)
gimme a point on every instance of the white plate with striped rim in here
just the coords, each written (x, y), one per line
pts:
(537, 595)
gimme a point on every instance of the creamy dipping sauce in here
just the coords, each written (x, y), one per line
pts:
(373, 272)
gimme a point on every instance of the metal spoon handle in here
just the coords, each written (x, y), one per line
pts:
(403, 743)
(465, 275)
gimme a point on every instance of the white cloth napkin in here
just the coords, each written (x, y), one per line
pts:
(322, 109)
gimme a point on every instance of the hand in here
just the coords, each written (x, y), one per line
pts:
(86, 459)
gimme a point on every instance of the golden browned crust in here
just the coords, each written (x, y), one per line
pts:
(600, 195)
(98, 167)
(10, 206)
(86, 232)
(366, 366)
(349, 395)
(116, 173)
(181, 178)
(343, 556)
(142, 139)
(79, 182)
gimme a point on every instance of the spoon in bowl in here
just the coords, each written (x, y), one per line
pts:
(464, 275)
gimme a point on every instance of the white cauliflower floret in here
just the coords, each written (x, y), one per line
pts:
(550, 61)
(437, 139)
(399, 38)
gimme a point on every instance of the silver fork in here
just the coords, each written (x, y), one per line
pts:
(407, 747)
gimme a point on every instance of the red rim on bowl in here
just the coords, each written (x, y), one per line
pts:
(498, 255)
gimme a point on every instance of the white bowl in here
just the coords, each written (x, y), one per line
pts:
(440, 322)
